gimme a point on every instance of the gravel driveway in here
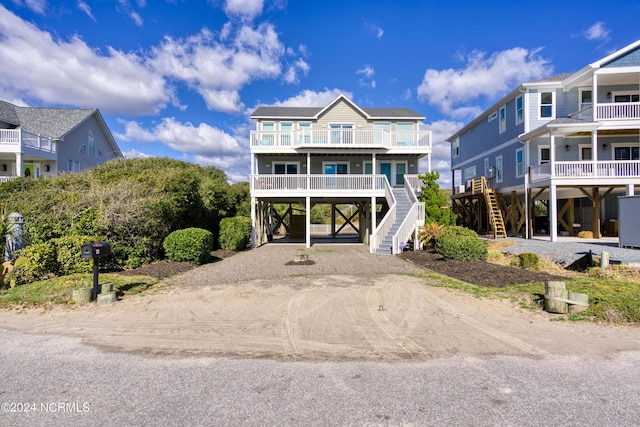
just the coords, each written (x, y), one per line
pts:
(275, 261)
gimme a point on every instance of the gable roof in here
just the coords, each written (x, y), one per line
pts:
(53, 123)
(313, 112)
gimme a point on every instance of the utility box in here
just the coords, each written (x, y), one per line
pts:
(628, 230)
(96, 250)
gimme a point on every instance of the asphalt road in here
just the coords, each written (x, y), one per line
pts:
(56, 381)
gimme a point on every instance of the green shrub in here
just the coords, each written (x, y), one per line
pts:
(40, 262)
(455, 242)
(190, 244)
(528, 260)
(235, 233)
(68, 250)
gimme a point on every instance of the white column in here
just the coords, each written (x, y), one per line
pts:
(630, 190)
(253, 164)
(594, 96)
(253, 222)
(373, 163)
(19, 164)
(429, 162)
(373, 217)
(594, 151)
(308, 222)
(527, 146)
(553, 213)
(552, 153)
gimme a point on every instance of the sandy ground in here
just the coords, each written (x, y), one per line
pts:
(366, 315)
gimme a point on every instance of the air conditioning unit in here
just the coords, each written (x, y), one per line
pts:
(460, 189)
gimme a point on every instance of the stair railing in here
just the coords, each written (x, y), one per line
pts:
(415, 218)
(387, 222)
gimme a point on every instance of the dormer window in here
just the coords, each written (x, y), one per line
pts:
(546, 105)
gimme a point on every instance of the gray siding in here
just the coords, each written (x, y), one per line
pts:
(69, 149)
(629, 59)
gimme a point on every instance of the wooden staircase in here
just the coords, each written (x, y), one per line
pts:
(491, 200)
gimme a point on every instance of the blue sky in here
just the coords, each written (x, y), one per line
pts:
(180, 78)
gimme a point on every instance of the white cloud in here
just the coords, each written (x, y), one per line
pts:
(292, 75)
(70, 72)
(218, 70)
(248, 9)
(124, 6)
(597, 32)
(407, 94)
(374, 29)
(203, 139)
(367, 71)
(83, 6)
(38, 6)
(135, 154)
(309, 98)
(454, 91)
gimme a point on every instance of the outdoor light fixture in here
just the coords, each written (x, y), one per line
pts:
(604, 147)
(566, 147)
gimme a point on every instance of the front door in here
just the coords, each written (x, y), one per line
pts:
(401, 169)
(31, 170)
(385, 169)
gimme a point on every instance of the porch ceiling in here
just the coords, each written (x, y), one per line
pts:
(611, 132)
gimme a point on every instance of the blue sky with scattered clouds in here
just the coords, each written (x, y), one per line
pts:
(180, 78)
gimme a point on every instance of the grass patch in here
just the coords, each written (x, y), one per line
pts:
(611, 300)
(58, 290)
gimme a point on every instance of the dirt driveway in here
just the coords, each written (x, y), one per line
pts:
(348, 305)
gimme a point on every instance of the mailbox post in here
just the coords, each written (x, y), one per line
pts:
(95, 251)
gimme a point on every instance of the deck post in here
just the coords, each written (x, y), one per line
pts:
(308, 222)
(553, 213)
(596, 213)
(253, 222)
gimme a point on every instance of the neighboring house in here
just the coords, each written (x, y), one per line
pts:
(339, 154)
(40, 142)
(553, 155)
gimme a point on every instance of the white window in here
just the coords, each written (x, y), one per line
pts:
(626, 96)
(73, 166)
(469, 173)
(486, 167)
(520, 163)
(267, 136)
(341, 133)
(585, 152)
(286, 168)
(382, 135)
(83, 149)
(335, 168)
(499, 169)
(492, 116)
(586, 98)
(547, 110)
(502, 114)
(544, 154)
(285, 133)
(626, 152)
(304, 133)
(92, 144)
(519, 110)
(455, 147)
(404, 133)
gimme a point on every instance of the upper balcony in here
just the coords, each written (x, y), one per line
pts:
(19, 141)
(284, 141)
(610, 111)
(609, 170)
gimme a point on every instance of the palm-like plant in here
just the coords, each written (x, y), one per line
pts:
(6, 227)
(428, 233)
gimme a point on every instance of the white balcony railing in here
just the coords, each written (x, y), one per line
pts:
(387, 222)
(585, 169)
(318, 183)
(618, 111)
(14, 140)
(330, 138)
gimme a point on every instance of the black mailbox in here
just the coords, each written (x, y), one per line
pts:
(96, 250)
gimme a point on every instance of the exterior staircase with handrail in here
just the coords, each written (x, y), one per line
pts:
(403, 206)
(493, 208)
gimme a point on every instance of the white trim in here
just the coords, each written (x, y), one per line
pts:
(333, 162)
(491, 117)
(580, 147)
(614, 145)
(518, 174)
(487, 165)
(540, 147)
(500, 169)
(553, 105)
(515, 107)
(581, 90)
(502, 129)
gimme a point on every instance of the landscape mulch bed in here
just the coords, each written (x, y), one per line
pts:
(164, 269)
(479, 273)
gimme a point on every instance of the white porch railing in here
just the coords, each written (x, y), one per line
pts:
(348, 138)
(618, 111)
(585, 169)
(415, 218)
(318, 183)
(13, 140)
(415, 182)
(4, 179)
(387, 222)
